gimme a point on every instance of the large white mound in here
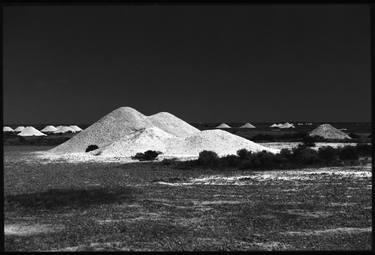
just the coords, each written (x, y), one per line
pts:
(7, 129)
(125, 132)
(223, 125)
(63, 130)
(76, 128)
(329, 132)
(108, 129)
(219, 141)
(173, 125)
(139, 141)
(31, 131)
(119, 123)
(19, 128)
(247, 125)
(49, 128)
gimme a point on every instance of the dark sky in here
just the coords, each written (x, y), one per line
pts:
(74, 64)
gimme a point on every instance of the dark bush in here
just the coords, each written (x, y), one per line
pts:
(305, 155)
(244, 154)
(260, 160)
(286, 153)
(327, 153)
(230, 161)
(208, 158)
(309, 141)
(92, 148)
(168, 161)
(348, 153)
(364, 149)
(147, 155)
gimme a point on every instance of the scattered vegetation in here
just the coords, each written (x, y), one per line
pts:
(147, 155)
(301, 156)
(91, 147)
(309, 141)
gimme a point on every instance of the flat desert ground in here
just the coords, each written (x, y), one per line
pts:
(60, 206)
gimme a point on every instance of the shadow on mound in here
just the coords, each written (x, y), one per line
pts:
(54, 199)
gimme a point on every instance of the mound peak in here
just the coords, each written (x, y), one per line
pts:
(172, 124)
(31, 131)
(329, 132)
(247, 125)
(223, 125)
(120, 123)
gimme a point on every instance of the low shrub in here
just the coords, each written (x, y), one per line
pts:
(244, 154)
(286, 159)
(91, 147)
(348, 153)
(230, 161)
(208, 158)
(168, 161)
(364, 150)
(147, 155)
(327, 154)
(309, 141)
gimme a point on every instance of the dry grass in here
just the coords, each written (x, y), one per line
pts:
(112, 207)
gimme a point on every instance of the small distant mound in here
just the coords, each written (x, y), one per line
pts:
(327, 131)
(76, 128)
(223, 125)
(286, 125)
(173, 125)
(247, 125)
(63, 130)
(7, 129)
(19, 128)
(49, 129)
(31, 131)
(283, 125)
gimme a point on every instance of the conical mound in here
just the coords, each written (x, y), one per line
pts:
(247, 125)
(76, 128)
(19, 128)
(63, 130)
(120, 123)
(49, 128)
(108, 129)
(286, 125)
(173, 125)
(31, 131)
(329, 132)
(7, 129)
(223, 125)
